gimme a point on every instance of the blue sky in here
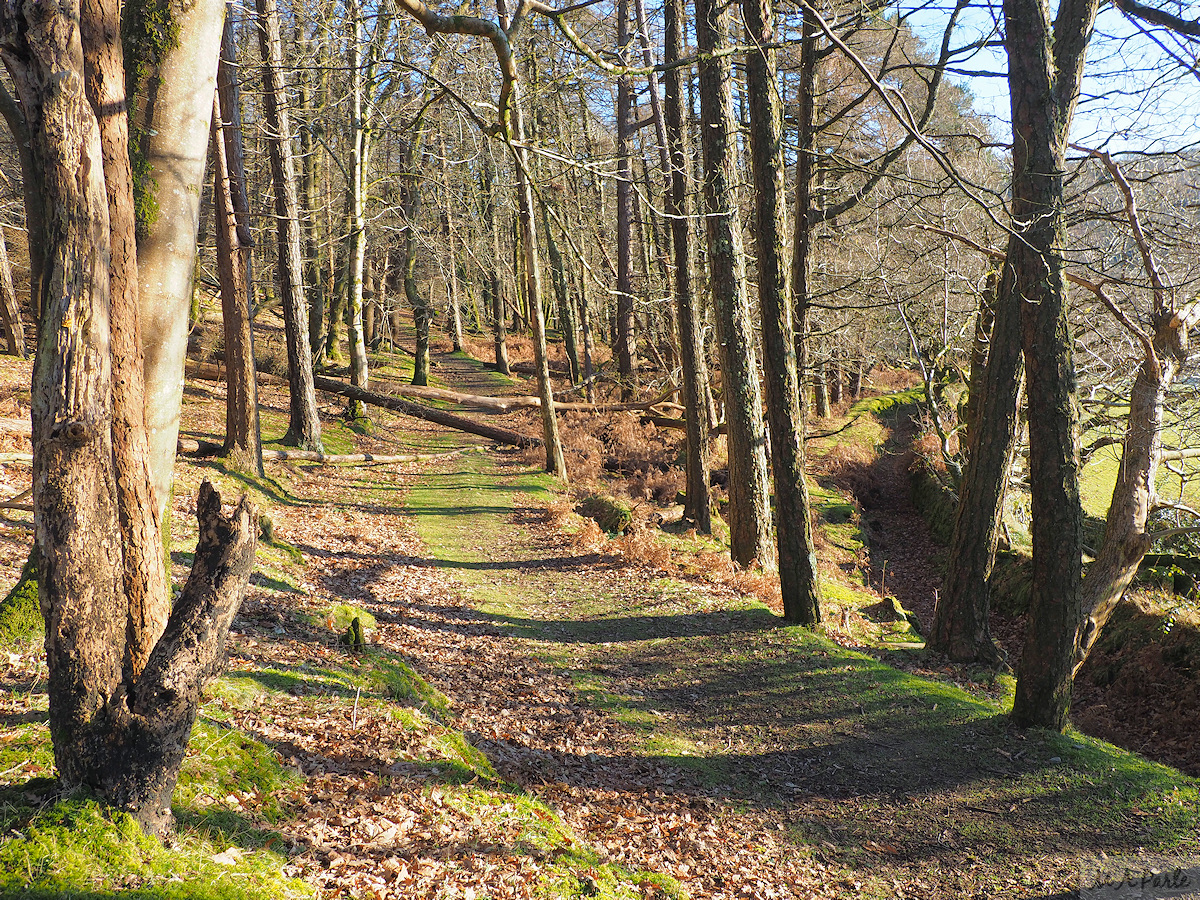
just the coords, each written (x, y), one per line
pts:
(1134, 97)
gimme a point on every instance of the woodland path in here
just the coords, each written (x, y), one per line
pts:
(675, 726)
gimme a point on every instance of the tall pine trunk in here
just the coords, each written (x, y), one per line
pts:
(1045, 69)
(304, 424)
(697, 506)
(793, 523)
(749, 510)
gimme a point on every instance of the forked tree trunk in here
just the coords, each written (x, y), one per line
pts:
(243, 442)
(304, 424)
(749, 510)
(1045, 70)
(793, 522)
(697, 505)
(120, 715)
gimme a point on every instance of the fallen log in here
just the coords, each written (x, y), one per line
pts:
(15, 426)
(214, 372)
(416, 410)
(211, 372)
(194, 448)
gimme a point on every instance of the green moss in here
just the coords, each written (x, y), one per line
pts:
(610, 514)
(20, 614)
(76, 848)
(396, 679)
(149, 30)
(340, 615)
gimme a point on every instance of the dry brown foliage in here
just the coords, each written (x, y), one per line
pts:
(641, 548)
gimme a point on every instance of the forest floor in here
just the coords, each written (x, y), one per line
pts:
(544, 712)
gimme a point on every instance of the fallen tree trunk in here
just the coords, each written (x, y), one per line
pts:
(212, 372)
(437, 416)
(194, 448)
(215, 372)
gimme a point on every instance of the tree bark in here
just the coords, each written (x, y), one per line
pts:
(749, 512)
(556, 463)
(625, 339)
(566, 315)
(10, 309)
(174, 123)
(697, 504)
(119, 717)
(1045, 66)
(313, 240)
(356, 242)
(304, 424)
(243, 442)
(144, 570)
(960, 627)
(797, 558)
(499, 315)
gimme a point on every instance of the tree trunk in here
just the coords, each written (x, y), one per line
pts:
(566, 315)
(749, 512)
(356, 245)
(174, 125)
(10, 309)
(556, 463)
(960, 618)
(242, 440)
(793, 520)
(499, 315)
(120, 715)
(313, 240)
(697, 505)
(820, 396)
(1045, 66)
(144, 570)
(624, 337)
(304, 424)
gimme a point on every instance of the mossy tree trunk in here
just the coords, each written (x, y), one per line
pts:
(1045, 70)
(304, 423)
(749, 492)
(960, 627)
(797, 559)
(124, 684)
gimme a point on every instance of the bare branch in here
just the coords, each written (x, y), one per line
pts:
(1187, 27)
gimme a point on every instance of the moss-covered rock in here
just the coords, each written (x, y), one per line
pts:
(610, 514)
